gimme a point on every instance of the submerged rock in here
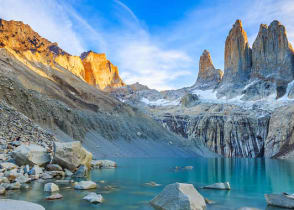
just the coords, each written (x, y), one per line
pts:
(8, 204)
(85, 185)
(179, 196)
(54, 196)
(280, 200)
(51, 187)
(71, 155)
(94, 198)
(219, 186)
(32, 154)
(152, 184)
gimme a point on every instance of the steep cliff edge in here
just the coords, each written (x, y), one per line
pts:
(208, 76)
(34, 49)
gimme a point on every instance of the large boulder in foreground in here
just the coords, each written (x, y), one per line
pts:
(71, 155)
(280, 200)
(179, 196)
(32, 154)
(8, 204)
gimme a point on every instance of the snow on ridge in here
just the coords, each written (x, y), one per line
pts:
(160, 102)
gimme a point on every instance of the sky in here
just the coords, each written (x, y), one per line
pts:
(157, 43)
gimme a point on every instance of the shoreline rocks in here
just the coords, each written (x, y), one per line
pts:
(85, 185)
(94, 198)
(51, 187)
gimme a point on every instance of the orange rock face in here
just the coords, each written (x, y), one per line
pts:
(99, 71)
(30, 47)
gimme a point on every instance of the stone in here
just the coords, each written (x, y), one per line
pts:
(272, 53)
(280, 200)
(2, 190)
(238, 59)
(85, 185)
(68, 172)
(54, 197)
(13, 186)
(94, 198)
(99, 71)
(189, 100)
(8, 166)
(179, 196)
(51, 187)
(81, 172)
(209, 202)
(188, 167)
(71, 155)
(56, 174)
(36, 170)
(23, 179)
(32, 154)
(4, 180)
(46, 176)
(208, 76)
(152, 184)
(8, 204)
(219, 186)
(103, 164)
(53, 167)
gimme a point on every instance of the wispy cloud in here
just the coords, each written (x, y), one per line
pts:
(162, 58)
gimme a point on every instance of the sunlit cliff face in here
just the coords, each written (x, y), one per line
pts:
(32, 49)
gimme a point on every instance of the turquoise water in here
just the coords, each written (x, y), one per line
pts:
(250, 179)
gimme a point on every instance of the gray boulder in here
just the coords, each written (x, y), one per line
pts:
(8, 166)
(280, 200)
(85, 185)
(219, 186)
(179, 196)
(2, 190)
(71, 155)
(53, 167)
(32, 154)
(94, 198)
(51, 187)
(8, 204)
(81, 172)
(54, 196)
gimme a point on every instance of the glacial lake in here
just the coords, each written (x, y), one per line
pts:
(250, 179)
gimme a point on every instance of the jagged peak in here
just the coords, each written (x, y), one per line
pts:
(238, 23)
(90, 53)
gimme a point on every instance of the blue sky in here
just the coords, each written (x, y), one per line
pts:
(155, 42)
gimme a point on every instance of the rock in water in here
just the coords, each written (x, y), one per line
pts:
(8, 204)
(51, 187)
(103, 164)
(272, 54)
(237, 56)
(85, 185)
(81, 172)
(94, 198)
(219, 186)
(179, 196)
(280, 200)
(71, 155)
(32, 154)
(54, 197)
(208, 76)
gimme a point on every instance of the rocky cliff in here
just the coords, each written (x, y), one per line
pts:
(31, 47)
(208, 76)
(272, 54)
(237, 55)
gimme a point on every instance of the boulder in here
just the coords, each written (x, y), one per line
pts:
(280, 200)
(152, 184)
(71, 155)
(94, 198)
(51, 187)
(54, 197)
(2, 190)
(12, 186)
(81, 172)
(32, 154)
(8, 204)
(53, 167)
(219, 186)
(8, 166)
(103, 164)
(68, 172)
(36, 170)
(179, 196)
(189, 100)
(188, 167)
(85, 185)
